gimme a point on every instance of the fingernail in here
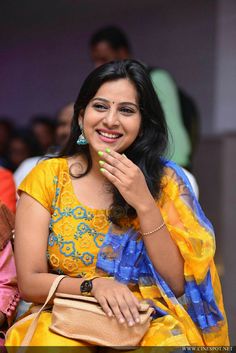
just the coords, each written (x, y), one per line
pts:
(102, 170)
(100, 153)
(137, 320)
(124, 155)
(121, 321)
(101, 162)
(130, 323)
(110, 314)
(108, 150)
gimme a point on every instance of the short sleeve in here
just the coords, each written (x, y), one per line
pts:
(40, 182)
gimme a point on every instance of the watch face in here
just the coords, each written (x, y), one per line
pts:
(86, 286)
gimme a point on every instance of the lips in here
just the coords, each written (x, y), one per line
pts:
(110, 135)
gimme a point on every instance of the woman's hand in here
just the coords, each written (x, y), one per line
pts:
(126, 177)
(116, 299)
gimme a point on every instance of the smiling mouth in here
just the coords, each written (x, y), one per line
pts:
(107, 135)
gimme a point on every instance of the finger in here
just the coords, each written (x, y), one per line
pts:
(125, 310)
(103, 302)
(112, 178)
(109, 160)
(133, 307)
(121, 158)
(114, 171)
(116, 310)
(116, 159)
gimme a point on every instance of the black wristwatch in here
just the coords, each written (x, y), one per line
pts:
(86, 286)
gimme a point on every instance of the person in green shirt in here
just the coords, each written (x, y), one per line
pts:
(110, 43)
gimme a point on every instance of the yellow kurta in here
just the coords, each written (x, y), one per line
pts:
(76, 234)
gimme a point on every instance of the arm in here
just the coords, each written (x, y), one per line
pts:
(32, 222)
(161, 248)
(163, 251)
(34, 281)
(189, 229)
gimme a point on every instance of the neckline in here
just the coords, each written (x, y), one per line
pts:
(91, 209)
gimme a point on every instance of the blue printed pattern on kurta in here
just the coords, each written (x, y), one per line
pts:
(76, 232)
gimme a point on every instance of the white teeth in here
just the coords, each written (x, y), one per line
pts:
(105, 134)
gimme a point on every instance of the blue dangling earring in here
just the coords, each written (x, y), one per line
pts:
(81, 140)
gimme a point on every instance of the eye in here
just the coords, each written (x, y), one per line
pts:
(99, 107)
(127, 110)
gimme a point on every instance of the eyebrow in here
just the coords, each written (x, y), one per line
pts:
(107, 101)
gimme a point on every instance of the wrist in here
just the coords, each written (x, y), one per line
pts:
(97, 281)
(145, 207)
(86, 286)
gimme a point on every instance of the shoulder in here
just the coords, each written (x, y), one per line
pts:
(44, 173)
(24, 168)
(42, 181)
(176, 179)
(161, 75)
(50, 165)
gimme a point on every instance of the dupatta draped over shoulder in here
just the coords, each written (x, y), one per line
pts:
(123, 256)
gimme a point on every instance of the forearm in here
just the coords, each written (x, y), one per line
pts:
(161, 249)
(35, 287)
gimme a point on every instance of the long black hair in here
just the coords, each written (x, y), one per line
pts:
(151, 144)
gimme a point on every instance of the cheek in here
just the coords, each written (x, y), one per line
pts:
(135, 127)
(91, 118)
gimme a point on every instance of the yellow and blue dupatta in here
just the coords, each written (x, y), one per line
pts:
(124, 257)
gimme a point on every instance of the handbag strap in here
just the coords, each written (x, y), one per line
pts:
(30, 332)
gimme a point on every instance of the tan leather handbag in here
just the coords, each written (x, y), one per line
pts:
(82, 318)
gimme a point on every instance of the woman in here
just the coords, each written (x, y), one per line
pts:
(9, 294)
(112, 174)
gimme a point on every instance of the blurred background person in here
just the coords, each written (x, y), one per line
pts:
(111, 43)
(62, 132)
(6, 130)
(43, 128)
(64, 119)
(9, 294)
(21, 147)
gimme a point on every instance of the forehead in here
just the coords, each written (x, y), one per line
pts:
(122, 90)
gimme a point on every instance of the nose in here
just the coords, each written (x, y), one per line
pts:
(111, 118)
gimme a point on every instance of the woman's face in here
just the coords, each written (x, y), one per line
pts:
(112, 118)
